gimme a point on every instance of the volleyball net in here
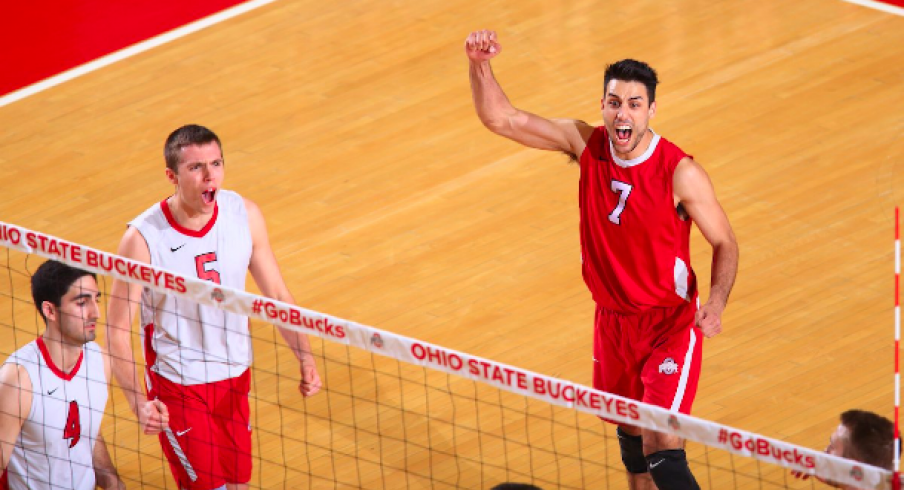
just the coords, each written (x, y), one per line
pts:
(397, 412)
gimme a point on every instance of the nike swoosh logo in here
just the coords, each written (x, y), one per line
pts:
(177, 248)
(50, 392)
(183, 432)
(653, 465)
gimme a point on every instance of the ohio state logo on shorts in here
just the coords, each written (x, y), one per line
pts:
(668, 366)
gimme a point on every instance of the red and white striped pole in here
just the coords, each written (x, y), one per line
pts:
(896, 478)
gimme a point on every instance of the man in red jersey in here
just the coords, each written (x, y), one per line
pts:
(638, 195)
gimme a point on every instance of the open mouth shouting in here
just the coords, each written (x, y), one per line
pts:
(209, 195)
(623, 134)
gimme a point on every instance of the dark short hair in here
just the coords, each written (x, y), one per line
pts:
(871, 438)
(190, 134)
(515, 486)
(632, 71)
(51, 282)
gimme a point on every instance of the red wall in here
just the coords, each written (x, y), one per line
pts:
(40, 38)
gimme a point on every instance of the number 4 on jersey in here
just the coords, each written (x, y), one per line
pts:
(73, 428)
(623, 190)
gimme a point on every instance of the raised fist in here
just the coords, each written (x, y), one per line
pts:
(482, 45)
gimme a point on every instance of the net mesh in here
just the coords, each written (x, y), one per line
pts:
(399, 413)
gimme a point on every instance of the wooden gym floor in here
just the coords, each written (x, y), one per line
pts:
(389, 204)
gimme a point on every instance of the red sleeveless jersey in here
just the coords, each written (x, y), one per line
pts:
(634, 247)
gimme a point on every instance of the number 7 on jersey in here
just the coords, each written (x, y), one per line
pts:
(623, 190)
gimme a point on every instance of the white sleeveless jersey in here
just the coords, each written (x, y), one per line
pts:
(54, 448)
(186, 342)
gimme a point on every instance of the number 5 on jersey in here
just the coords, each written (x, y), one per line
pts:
(205, 273)
(623, 190)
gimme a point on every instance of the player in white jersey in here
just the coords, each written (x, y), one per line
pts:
(54, 389)
(198, 357)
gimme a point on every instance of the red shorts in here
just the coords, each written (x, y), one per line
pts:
(653, 357)
(209, 441)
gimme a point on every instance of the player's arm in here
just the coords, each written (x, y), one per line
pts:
(105, 473)
(122, 308)
(265, 271)
(499, 115)
(694, 191)
(15, 405)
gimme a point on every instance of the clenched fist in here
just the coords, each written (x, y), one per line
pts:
(482, 46)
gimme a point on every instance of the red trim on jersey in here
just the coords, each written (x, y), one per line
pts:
(53, 367)
(150, 355)
(4, 481)
(185, 231)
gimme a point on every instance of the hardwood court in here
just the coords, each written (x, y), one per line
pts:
(389, 204)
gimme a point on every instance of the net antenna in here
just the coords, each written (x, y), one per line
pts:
(896, 479)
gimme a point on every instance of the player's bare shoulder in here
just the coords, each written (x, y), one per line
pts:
(134, 246)
(255, 215)
(14, 376)
(585, 130)
(15, 387)
(578, 133)
(251, 206)
(690, 179)
(688, 168)
(256, 224)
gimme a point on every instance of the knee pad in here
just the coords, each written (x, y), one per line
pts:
(631, 452)
(670, 471)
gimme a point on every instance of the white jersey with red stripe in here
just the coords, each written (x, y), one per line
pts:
(186, 342)
(55, 446)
